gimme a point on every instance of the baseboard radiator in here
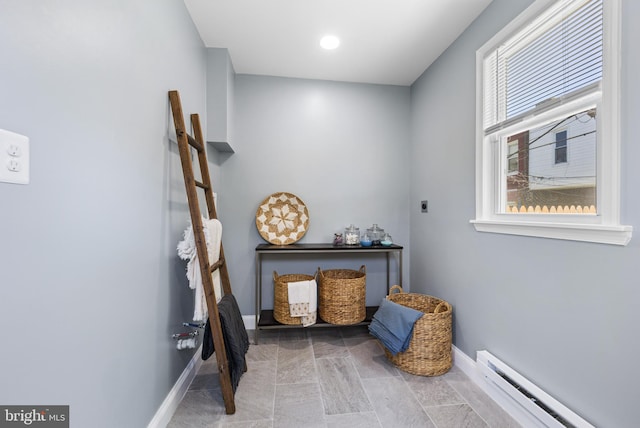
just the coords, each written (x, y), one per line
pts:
(531, 403)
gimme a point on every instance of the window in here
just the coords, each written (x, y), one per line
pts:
(561, 147)
(512, 155)
(547, 108)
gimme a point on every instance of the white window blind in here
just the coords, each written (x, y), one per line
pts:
(552, 60)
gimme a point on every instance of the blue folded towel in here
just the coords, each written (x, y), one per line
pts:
(392, 324)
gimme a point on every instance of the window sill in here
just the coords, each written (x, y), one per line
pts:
(610, 234)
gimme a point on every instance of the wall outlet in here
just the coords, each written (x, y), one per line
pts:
(424, 206)
(14, 158)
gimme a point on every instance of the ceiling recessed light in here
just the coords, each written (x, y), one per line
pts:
(330, 42)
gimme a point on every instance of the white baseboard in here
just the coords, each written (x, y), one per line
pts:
(177, 393)
(466, 364)
(249, 322)
(470, 367)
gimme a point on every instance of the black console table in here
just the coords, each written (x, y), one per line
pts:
(265, 319)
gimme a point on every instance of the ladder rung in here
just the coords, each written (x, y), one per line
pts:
(217, 264)
(195, 144)
(192, 141)
(201, 185)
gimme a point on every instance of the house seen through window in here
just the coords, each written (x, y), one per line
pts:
(541, 178)
(561, 147)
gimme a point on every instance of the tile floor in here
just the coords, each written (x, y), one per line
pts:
(334, 377)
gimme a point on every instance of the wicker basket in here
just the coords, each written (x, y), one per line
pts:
(429, 352)
(341, 296)
(281, 311)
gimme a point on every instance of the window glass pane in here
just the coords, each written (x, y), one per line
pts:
(554, 167)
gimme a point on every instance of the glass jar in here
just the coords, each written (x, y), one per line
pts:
(337, 239)
(375, 233)
(365, 240)
(352, 235)
(386, 240)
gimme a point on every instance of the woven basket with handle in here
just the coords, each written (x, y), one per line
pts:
(281, 311)
(429, 352)
(341, 295)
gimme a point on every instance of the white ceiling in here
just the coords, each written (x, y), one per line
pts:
(382, 41)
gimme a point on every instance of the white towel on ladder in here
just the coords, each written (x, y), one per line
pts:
(187, 251)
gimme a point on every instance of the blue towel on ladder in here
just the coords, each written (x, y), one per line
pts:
(392, 324)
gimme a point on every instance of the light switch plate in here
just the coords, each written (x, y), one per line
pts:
(14, 158)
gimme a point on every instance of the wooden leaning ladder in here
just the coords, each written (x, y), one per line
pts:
(185, 141)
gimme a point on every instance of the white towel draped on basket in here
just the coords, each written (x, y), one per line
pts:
(303, 301)
(187, 251)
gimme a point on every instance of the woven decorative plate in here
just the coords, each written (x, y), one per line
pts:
(282, 218)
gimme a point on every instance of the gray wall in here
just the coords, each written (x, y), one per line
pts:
(220, 95)
(90, 285)
(341, 147)
(562, 313)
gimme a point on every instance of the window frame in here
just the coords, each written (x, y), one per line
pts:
(603, 227)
